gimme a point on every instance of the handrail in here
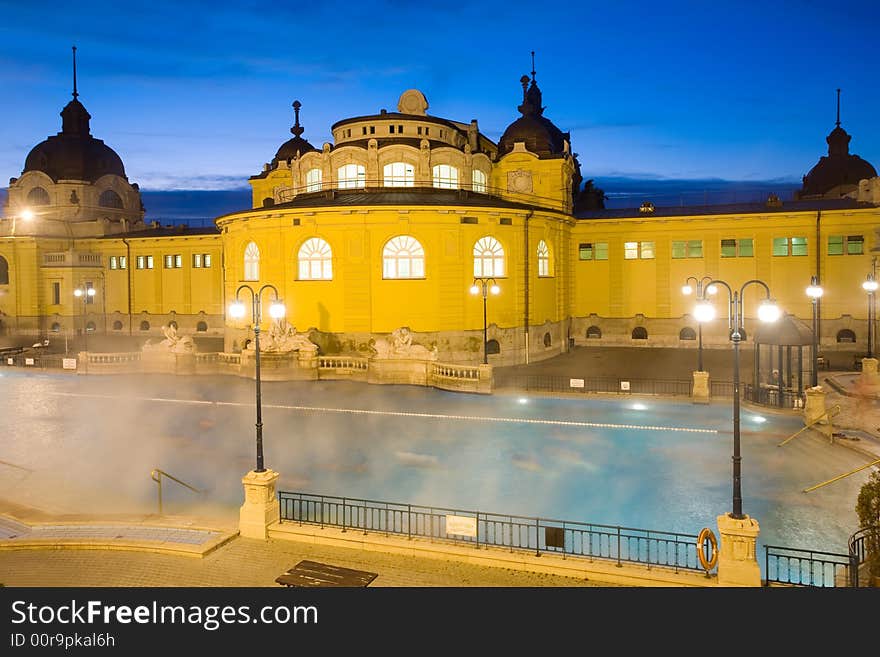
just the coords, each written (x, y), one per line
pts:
(845, 474)
(17, 467)
(158, 480)
(830, 413)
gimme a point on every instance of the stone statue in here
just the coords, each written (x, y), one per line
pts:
(282, 337)
(401, 346)
(173, 343)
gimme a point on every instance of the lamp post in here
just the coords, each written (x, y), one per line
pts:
(686, 289)
(87, 294)
(483, 285)
(768, 311)
(815, 291)
(870, 286)
(276, 311)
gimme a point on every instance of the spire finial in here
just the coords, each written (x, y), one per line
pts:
(297, 129)
(75, 94)
(533, 66)
(838, 108)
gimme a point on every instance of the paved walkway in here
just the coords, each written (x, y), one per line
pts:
(172, 551)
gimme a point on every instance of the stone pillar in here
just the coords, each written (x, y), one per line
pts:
(260, 508)
(701, 388)
(737, 561)
(869, 372)
(486, 379)
(814, 408)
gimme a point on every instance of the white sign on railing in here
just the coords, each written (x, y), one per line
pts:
(28, 361)
(10, 361)
(624, 385)
(68, 363)
(461, 525)
(576, 383)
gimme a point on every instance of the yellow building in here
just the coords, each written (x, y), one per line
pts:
(392, 223)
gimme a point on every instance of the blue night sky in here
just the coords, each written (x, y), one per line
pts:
(198, 95)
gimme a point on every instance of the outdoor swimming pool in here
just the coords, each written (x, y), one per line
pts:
(90, 443)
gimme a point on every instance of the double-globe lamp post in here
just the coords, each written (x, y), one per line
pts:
(815, 292)
(484, 286)
(276, 311)
(870, 286)
(687, 289)
(768, 311)
(86, 294)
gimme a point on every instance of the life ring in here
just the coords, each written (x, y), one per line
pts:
(707, 534)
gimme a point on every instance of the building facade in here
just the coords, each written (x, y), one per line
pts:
(392, 223)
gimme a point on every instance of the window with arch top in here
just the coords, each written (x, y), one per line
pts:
(38, 196)
(543, 259)
(313, 180)
(351, 176)
(488, 257)
(445, 176)
(252, 262)
(403, 257)
(110, 199)
(479, 181)
(398, 174)
(315, 260)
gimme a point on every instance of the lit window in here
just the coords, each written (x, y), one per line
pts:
(123, 262)
(399, 174)
(403, 257)
(178, 261)
(445, 176)
(315, 260)
(479, 181)
(635, 250)
(206, 260)
(113, 263)
(593, 251)
(488, 257)
(313, 180)
(687, 248)
(149, 262)
(351, 176)
(732, 248)
(252, 262)
(169, 261)
(197, 260)
(543, 259)
(849, 244)
(785, 246)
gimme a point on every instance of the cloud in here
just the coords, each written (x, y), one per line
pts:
(415, 460)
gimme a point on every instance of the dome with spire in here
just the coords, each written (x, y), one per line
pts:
(839, 172)
(537, 132)
(293, 147)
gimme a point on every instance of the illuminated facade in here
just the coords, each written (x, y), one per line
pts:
(389, 225)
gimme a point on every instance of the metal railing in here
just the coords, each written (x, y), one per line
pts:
(157, 474)
(772, 396)
(478, 528)
(863, 544)
(813, 568)
(623, 386)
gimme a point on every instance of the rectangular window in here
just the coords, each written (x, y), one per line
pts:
(855, 245)
(400, 129)
(419, 130)
(835, 245)
(197, 260)
(112, 262)
(784, 246)
(849, 245)
(178, 261)
(123, 262)
(149, 262)
(798, 246)
(746, 247)
(169, 261)
(630, 250)
(90, 298)
(585, 251)
(391, 129)
(372, 130)
(206, 260)
(56, 293)
(687, 249)
(140, 262)
(646, 250)
(728, 248)
(364, 130)
(780, 246)
(679, 249)
(600, 251)
(427, 131)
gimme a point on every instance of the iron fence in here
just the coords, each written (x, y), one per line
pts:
(772, 396)
(623, 386)
(33, 360)
(477, 528)
(809, 567)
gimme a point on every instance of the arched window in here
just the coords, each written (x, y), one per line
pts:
(201, 327)
(403, 257)
(110, 199)
(594, 332)
(845, 335)
(315, 260)
(4, 271)
(314, 178)
(351, 176)
(445, 176)
(543, 259)
(252, 262)
(687, 333)
(56, 327)
(145, 326)
(399, 174)
(90, 327)
(479, 180)
(38, 196)
(547, 340)
(640, 333)
(488, 257)
(268, 202)
(492, 347)
(117, 325)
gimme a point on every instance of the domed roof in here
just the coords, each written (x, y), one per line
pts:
(73, 154)
(296, 146)
(838, 167)
(539, 134)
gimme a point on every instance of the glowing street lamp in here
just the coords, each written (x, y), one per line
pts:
(687, 290)
(87, 294)
(768, 311)
(870, 286)
(484, 286)
(815, 292)
(276, 311)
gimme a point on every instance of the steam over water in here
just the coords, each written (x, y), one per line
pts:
(87, 444)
